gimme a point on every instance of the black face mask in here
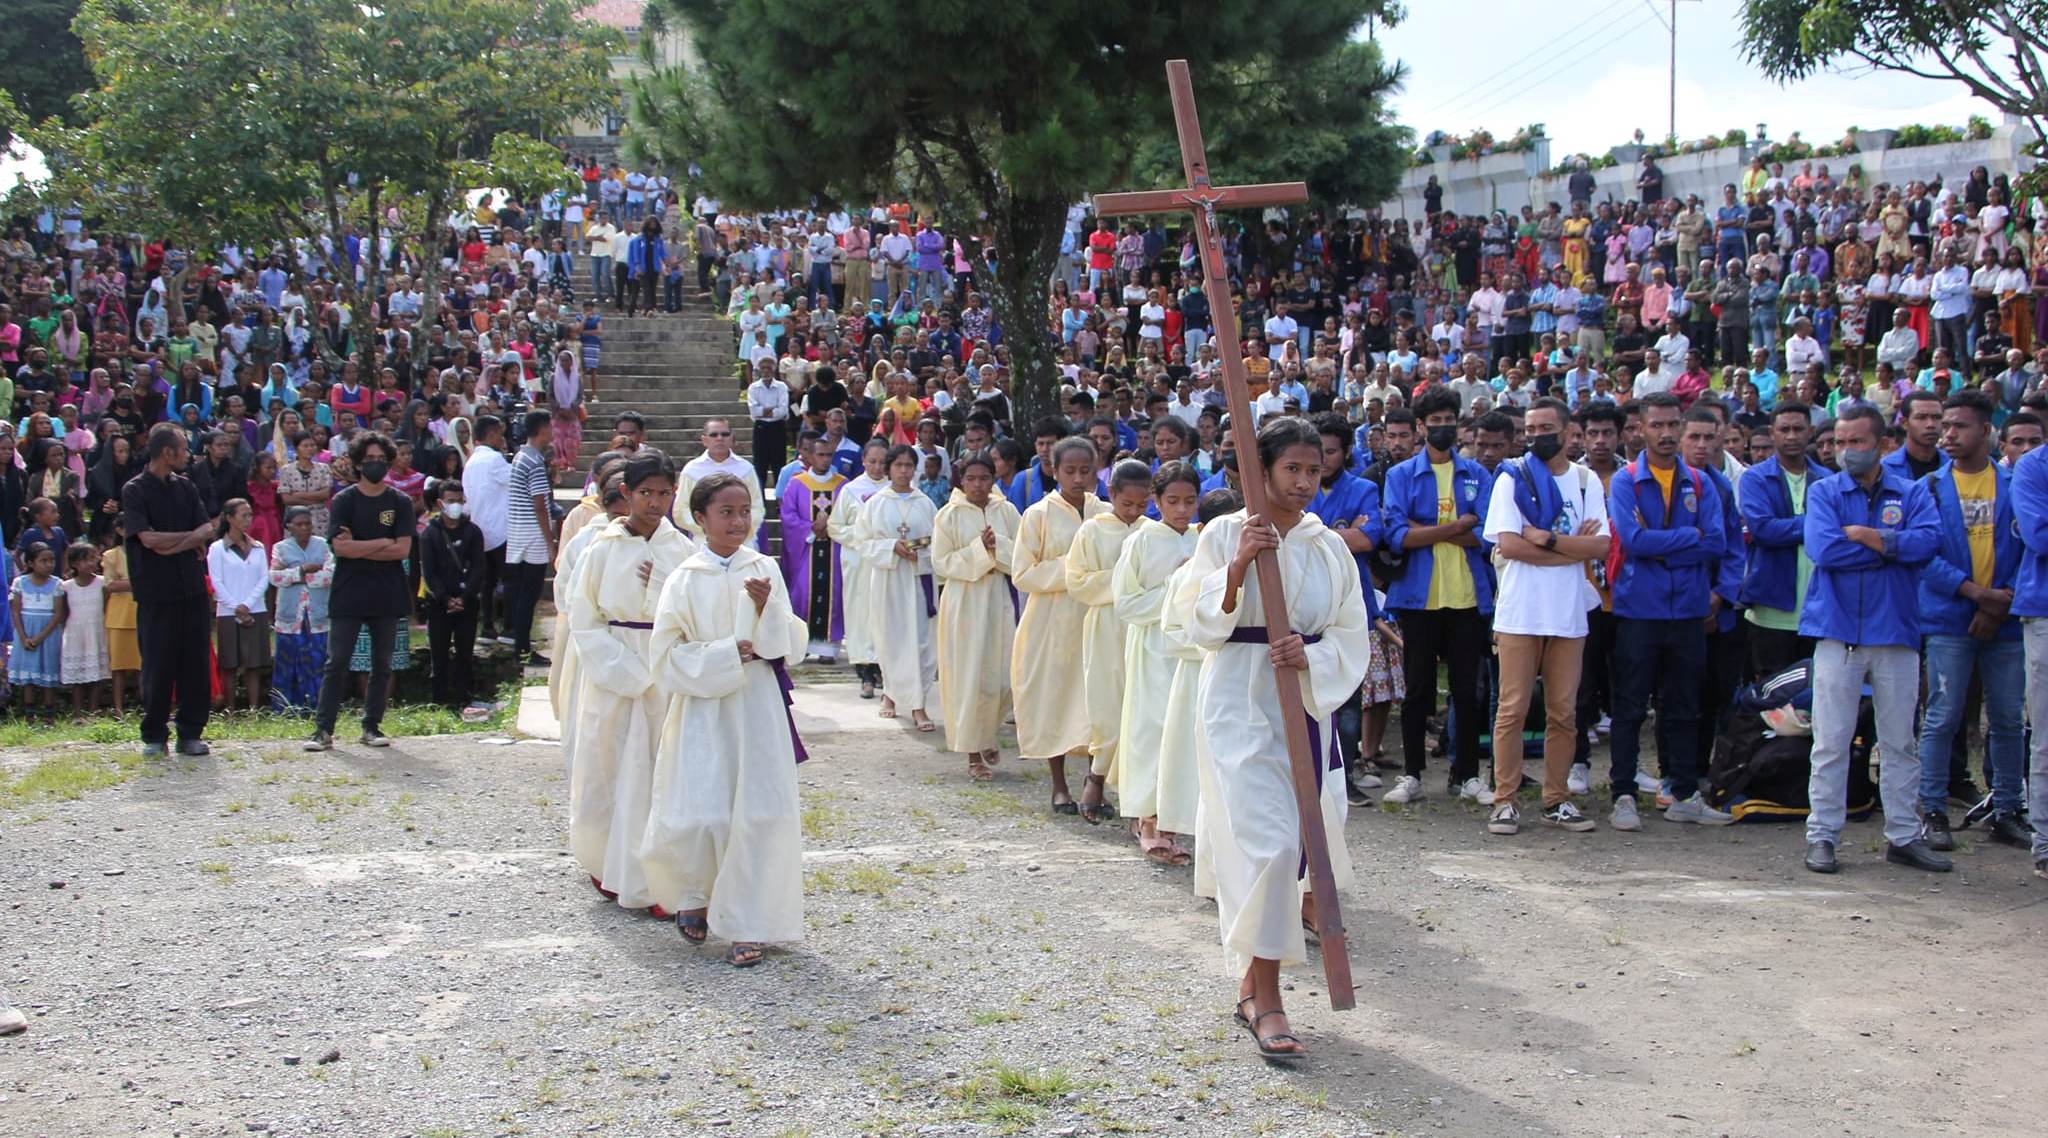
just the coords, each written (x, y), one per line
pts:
(1545, 447)
(1443, 438)
(374, 470)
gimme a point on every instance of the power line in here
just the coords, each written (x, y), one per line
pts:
(1538, 54)
(1588, 45)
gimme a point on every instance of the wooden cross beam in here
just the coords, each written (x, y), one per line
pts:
(1202, 200)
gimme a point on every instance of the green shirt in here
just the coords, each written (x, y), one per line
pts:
(179, 349)
(1784, 620)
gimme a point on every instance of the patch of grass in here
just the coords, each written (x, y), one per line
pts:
(980, 802)
(237, 806)
(1041, 1085)
(1745, 1048)
(1287, 1092)
(821, 817)
(219, 870)
(275, 838)
(69, 775)
(441, 1132)
(1617, 938)
(269, 778)
(989, 1017)
(263, 727)
(871, 879)
(426, 1061)
(546, 1093)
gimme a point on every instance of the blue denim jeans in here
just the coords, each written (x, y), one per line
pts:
(1670, 655)
(600, 277)
(2002, 666)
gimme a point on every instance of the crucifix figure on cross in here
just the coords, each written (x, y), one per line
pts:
(1201, 199)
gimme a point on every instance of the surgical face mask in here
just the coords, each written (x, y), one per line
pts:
(1858, 461)
(1545, 447)
(452, 511)
(1443, 438)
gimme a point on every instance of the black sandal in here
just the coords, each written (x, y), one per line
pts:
(1066, 807)
(1098, 812)
(746, 955)
(1237, 1015)
(1265, 1042)
(693, 927)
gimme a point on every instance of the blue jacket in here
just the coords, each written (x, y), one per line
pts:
(1728, 570)
(1028, 487)
(2030, 520)
(1411, 500)
(1342, 503)
(1361, 450)
(638, 258)
(1858, 596)
(1895, 464)
(1668, 565)
(1943, 612)
(1770, 571)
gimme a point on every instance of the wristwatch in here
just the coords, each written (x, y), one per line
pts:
(1550, 541)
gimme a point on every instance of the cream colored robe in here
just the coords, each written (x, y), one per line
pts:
(1256, 827)
(977, 620)
(896, 598)
(562, 667)
(723, 829)
(618, 710)
(854, 606)
(1045, 682)
(1089, 565)
(1143, 572)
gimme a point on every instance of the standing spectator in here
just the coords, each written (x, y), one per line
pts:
(1949, 312)
(451, 569)
(124, 659)
(370, 530)
(645, 256)
(2030, 604)
(486, 487)
(302, 572)
(768, 407)
(529, 535)
(36, 610)
(239, 568)
(1869, 533)
(1966, 598)
(167, 529)
(1777, 569)
(600, 236)
(84, 655)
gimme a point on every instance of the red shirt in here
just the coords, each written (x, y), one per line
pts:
(1101, 249)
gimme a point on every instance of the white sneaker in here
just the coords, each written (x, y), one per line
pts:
(1472, 790)
(1505, 820)
(1647, 782)
(1696, 811)
(1624, 816)
(1407, 789)
(1580, 781)
(1368, 782)
(1605, 725)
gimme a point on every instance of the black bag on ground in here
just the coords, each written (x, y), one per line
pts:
(1763, 778)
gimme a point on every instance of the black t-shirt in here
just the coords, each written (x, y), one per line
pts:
(164, 505)
(860, 418)
(363, 587)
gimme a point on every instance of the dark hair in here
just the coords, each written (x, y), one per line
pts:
(1601, 412)
(1714, 407)
(1011, 450)
(163, 438)
(1072, 443)
(1792, 407)
(1216, 503)
(1494, 423)
(960, 468)
(1916, 395)
(536, 421)
(1334, 427)
(1176, 471)
(1434, 401)
(1050, 427)
(645, 465)
(294, 513)
(1864, 411)
(2020, 419)
(904, 450)
(29, 552)
(1398, 415)
(1284, 432)
(1972, 400)
(1176, 428)
(703, 492)
(78, 551)
(1128, 473)
(360, 446)
(633, 417)
(1700, 414)
(484, 425)
(1081, 398)
(1657, 399)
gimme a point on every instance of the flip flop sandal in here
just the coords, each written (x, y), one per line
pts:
(992, 758)
(659, 913)
(748, 955)
(1095, 814)
(1265, 1042)
(693, 928)
(1237, 1015)
(601, 890)
(927, 727)
(1309, 932)
(977, 769)
(1067, 807)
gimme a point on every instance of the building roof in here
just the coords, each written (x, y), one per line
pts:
(621, 14)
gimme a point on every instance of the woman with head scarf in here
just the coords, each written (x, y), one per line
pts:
(566, 396)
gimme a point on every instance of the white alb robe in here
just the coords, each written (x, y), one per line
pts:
(977, 618)
(617, 705)
(896, 594)
(724, 829)
(1257, 830)
(1090, 563)
(859, 626)
(1138, 586)
(1045, 680)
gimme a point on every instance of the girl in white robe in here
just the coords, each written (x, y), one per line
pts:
(1138, 587)
(1188, 770)
(1045, 679)
(895, 537)
(972, 541)
(1090, 565)
(618, 708)
(1259, 898)
(853, 571)
(565, 674)
(723, 845)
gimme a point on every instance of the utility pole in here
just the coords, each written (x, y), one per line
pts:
(1671, 27)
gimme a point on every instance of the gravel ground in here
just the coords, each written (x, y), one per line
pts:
(395, 943)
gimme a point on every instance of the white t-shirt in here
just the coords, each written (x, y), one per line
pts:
(1544, 600)
(1152, 312)
(1654, 382)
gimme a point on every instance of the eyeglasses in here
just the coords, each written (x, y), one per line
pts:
(718, 434)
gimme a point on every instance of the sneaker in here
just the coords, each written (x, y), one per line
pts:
(1624, 816)
(1605, 725)
(1647, 783)
(1505, 820)
(1580, 780)
(321, 741)
(1934, 828)
(1696, 811)
(155, 750)
(1353, 793)
(1407, 789)
(2041, 867)
(536, 660)
(1566, 816)
(1473, 790)
(1369, 781)
(375, 739)
(1965, 791)
(505, 641)
(2007, 829)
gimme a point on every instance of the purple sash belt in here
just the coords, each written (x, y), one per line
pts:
(1256, 634)
(924, 581)
(642, 625)
(796, 741)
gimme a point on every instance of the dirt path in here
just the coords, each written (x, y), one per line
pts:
(974, 967)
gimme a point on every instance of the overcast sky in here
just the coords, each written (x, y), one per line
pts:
(1593, 71)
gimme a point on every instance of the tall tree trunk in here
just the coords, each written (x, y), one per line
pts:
(430, 279)
(368, 295)
(1027, 234)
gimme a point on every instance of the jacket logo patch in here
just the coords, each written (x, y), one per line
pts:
(1689, 500)
(1893, 514)
(1467, 491)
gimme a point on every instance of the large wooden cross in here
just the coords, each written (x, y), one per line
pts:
(1202, 200)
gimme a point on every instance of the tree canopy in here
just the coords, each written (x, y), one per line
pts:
(42, 64)
(999, 116)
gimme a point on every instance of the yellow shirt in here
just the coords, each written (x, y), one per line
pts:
(1450, 578)
(1978, 493)
(1664, 478)
(120, 611)
(907, 411)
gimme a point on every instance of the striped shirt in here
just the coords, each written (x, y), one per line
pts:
(526, 541)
